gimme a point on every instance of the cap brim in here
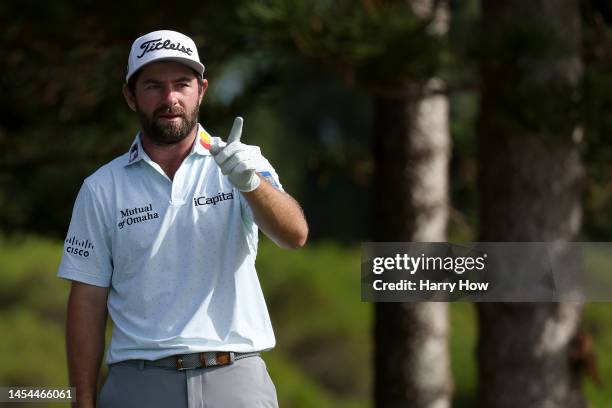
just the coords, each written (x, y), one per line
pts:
(196, 66)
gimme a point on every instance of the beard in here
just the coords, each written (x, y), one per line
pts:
(168, 133)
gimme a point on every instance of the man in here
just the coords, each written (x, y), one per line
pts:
(165, 239)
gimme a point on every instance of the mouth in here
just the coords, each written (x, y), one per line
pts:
(169, 117)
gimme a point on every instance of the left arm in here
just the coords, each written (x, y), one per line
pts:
(278, 215)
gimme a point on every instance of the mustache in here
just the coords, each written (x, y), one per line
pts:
(167, 110)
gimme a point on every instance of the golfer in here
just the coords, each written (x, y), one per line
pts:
(164, 240)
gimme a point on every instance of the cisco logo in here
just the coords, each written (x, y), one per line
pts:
(78, 247)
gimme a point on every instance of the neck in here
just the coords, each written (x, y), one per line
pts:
(169, 157)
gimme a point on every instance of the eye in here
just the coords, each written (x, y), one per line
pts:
(151, 86)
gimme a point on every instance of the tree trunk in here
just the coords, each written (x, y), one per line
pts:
(412, 149)
(530, 190)
(412, 152)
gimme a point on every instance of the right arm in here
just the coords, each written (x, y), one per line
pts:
(85, 331)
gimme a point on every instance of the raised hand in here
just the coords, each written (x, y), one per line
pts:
(237, 160)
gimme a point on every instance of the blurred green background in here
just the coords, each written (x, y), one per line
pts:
(322, 358)
(302, 74)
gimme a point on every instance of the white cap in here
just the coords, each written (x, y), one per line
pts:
(163, 45)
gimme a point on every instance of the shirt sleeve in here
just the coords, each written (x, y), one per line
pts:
(87, 249)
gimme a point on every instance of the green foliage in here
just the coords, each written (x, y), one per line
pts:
(595, 323)
(376, 44)
(321, 325)
(319, 321)
(535, 69)
(463, 344)
(463, 350)
(596, 108)
(63, 113)
(32, 303)
(323, 352)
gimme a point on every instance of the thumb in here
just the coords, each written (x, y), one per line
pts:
(236, 131)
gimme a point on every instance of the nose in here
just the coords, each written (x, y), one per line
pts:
(170, 96)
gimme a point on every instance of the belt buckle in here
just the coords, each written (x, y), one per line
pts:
(227, 358)
(220, 358)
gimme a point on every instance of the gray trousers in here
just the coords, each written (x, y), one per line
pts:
(245, 383)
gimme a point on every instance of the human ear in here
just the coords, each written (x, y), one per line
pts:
(203, 89)
(129, 97)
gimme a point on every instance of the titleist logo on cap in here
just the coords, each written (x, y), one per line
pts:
(159, 43)
(163, 45)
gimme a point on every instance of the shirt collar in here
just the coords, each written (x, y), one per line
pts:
(136, 152)
(203, 142)
(201, 146)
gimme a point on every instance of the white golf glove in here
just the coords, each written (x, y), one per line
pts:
(237, 160)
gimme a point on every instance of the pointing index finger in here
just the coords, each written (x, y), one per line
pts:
(236, 131)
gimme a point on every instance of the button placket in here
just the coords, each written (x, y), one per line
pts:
(177, 194)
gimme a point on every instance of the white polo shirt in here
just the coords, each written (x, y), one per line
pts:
(178, 256)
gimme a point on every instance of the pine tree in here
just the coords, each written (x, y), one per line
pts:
(530, 190)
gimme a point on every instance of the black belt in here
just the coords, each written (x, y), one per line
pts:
(199, 360)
